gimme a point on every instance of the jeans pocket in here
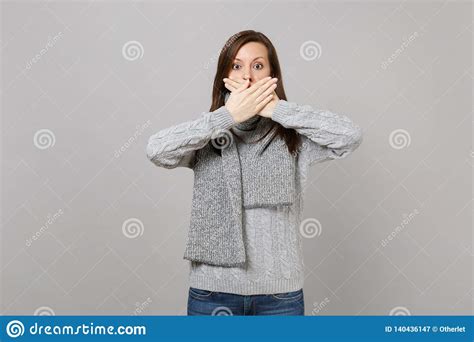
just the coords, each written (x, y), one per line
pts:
(199, 293)
(288, 295)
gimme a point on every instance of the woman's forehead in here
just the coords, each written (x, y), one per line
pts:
(251, 51)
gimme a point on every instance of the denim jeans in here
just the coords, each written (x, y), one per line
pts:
(204, 302)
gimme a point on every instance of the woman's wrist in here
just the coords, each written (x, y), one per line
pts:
(224, 118)
(280, 111)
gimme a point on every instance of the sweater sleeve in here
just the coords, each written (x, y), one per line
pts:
(176, 146)
(325, 135)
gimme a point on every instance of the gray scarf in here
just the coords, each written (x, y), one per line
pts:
(245, 176)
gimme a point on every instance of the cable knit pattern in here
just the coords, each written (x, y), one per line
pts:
(176, 146)
(271, 235)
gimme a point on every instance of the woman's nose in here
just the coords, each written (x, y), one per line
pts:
(248, 76)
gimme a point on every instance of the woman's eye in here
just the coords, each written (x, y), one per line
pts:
(261, 66)
(234, 65)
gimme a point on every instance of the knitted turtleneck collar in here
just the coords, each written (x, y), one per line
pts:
(248, 124)
(244, 175)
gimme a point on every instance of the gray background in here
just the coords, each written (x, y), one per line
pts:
(96, 100)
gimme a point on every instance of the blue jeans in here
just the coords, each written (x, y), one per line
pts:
(204, 302)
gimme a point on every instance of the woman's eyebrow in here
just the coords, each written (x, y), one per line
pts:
(237, 59)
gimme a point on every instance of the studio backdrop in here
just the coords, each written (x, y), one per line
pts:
(90, 226)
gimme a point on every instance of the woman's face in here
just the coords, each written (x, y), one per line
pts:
(250, 62)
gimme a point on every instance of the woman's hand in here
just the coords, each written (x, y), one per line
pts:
(244, 102)
(267, 110)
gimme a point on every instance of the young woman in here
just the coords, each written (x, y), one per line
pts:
(250, 155)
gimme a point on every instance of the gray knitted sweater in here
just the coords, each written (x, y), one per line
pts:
(272, 235)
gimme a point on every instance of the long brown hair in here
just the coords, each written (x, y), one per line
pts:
(224, 64)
